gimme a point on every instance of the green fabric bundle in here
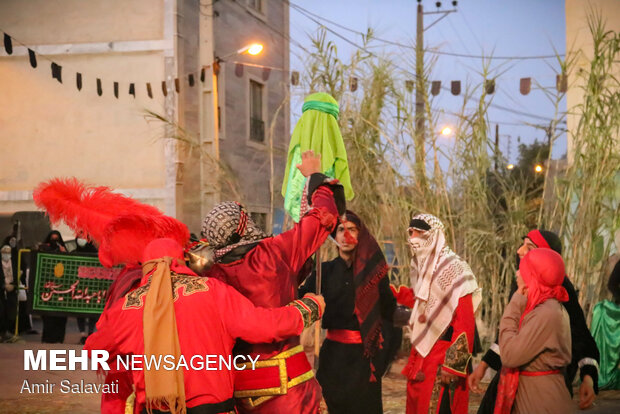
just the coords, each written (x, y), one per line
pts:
(606, 332)
(316, 130)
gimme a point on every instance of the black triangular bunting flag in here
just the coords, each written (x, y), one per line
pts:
(132, 89)
(57, 72)
(33, 58)
(149, 91)
(99, 89)
(78, 81)
(116, 89)
(177, 85)
(202, 75)
(8, 44)
(190, 79)
(164, 88)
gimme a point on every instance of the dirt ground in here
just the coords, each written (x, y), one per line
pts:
(12, 376)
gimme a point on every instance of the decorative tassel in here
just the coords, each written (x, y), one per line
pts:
(372, 373)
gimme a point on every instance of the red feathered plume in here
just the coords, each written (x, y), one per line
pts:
(126, 237)
(97, 210)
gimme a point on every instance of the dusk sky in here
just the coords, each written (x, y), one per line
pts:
(515, 28)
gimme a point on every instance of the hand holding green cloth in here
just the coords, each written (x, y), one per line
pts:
(316, 130)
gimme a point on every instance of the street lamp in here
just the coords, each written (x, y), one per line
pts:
(251, 49)
(510, 167)
(445, 131)
(538, 168)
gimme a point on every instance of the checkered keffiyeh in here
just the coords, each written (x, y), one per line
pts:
(223, 221)
(439, 278)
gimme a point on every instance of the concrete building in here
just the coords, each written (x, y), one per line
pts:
(579, 44)
(174, 150)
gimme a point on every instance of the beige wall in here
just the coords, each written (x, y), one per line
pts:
(84, 21)
(579, 42)
(53, 129)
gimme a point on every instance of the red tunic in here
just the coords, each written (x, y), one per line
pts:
(268, 276)
(210, 316)
(421, 372)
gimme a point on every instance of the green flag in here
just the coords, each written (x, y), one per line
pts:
(316, 130)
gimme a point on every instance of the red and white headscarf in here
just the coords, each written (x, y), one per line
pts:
(439, 278)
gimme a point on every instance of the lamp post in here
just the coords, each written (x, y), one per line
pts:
(209, 129)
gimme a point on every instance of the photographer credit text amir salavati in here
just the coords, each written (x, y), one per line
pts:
(71, 360)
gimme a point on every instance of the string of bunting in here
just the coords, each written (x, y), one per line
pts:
(57, 73)
(525, 84)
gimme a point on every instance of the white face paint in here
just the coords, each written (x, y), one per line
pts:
(6, 257)
(13, 242)
(80, 242)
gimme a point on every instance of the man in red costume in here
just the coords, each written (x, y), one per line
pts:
(268, 271)
(171, 311)
(444, 296)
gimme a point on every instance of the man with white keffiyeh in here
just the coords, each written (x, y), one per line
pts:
(445, 296)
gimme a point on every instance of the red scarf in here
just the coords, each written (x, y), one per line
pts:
(543, 272)
(369, 267)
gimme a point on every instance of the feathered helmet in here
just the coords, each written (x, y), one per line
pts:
(120, 225)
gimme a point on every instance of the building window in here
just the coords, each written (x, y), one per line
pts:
(256, 5)
(257, 124)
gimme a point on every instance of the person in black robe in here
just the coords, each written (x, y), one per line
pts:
(585, 354)
(361, 340)
(53, 326)
(8, 295)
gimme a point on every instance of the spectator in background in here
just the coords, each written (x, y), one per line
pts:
(25, 324)
(8, 295)
(53, 326)
(85, 246)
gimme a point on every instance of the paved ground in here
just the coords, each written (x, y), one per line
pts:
(12, 377)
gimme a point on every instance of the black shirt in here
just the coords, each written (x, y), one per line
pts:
(338, 289)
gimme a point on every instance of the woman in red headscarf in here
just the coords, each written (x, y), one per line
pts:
(535, 339)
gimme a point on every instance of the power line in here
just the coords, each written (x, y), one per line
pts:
(436, 52)
(335, 33)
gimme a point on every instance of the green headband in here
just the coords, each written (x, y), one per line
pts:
(327, 107)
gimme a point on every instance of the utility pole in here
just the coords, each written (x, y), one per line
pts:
(420, 98)
(496, 146)
(420, 93)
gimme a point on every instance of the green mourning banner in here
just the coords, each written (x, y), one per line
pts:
(69, 284)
